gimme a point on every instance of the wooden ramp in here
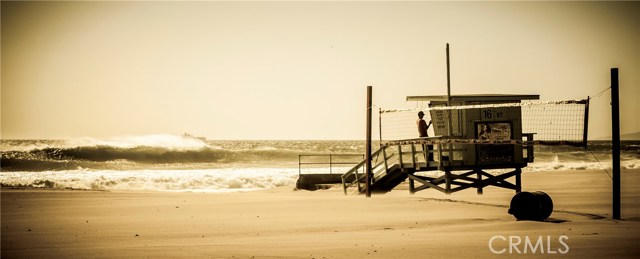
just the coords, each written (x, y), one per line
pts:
(392, 165)
(386, 181)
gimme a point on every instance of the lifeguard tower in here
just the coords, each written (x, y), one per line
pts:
(473, 134)
(488, 136)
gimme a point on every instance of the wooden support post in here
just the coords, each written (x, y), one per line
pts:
(412, 185)
(384, 156)
(413, 156)
(357, 179)
(615, 139)
(440, 162)
(447, 181)
(344, 186)
(479, 181)
(518, 180)
(368, 144)
(330, 164)
(299, 166)
(380, 126)
(400, 158)
(426, 154)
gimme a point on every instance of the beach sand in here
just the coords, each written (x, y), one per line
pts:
(283, 223)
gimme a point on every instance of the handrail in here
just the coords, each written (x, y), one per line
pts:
(354, 171)
(330, 163)
(361, 163)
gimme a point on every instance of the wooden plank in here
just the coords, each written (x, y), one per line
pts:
(344, 186)
(400, 157)
(413, 155)
(518, 180)
(447, 182)
(467, 173)
(386, 159)
(425, 184)
(412, 185)
(474, 97)
(495, 180)
(420, 167)
(460, 177)
(479, 180)
(457, 182)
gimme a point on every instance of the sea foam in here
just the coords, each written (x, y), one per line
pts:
(209, 180)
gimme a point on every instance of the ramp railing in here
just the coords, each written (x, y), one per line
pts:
(383, 160)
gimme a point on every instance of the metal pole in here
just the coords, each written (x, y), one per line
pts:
(368, 144)
(449, 92)
(448, 79)
(615, 139)
(450, 146)
(586, 123)
(380, 125)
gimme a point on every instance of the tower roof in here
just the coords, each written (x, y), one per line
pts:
(476, 97)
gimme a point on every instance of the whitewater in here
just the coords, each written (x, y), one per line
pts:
(181, 164)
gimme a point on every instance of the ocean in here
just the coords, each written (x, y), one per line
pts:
(184, 164)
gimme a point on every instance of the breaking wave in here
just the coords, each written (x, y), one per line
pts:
(156, 151)
(176, 163)
(205, 180)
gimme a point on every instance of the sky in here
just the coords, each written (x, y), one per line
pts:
(297, 70)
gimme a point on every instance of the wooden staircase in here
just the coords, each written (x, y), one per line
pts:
(389, 168)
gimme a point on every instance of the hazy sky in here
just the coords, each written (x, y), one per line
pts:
(297, 70)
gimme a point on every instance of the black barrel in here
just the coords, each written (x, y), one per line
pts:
(531, 206)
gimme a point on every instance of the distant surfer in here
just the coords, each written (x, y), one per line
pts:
(423, 127)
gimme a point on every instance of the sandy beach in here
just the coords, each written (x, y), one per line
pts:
(180, 129)
(285, 223)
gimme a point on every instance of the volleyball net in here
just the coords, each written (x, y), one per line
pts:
(562, 122)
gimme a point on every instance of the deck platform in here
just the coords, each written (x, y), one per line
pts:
(393, 164)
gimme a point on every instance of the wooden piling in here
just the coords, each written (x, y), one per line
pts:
(447, 183)
(479, 176)
(518, 180)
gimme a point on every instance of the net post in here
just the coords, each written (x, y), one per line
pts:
(615, 139)
(449, 92)
(585, 131)
(368, 144)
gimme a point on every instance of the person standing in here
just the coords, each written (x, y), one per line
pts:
(423, 128)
